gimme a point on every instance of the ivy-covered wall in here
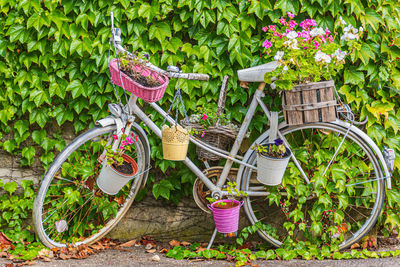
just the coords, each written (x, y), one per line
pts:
(53, 67)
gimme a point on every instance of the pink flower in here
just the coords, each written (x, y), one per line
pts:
(129, 140)
(282, 21)
(267, 44)
(202, 135)
(136, 138)
(292, 24)
(291, 15)
(272, 27)
(264, 29)
(317, 45)
(115, 137)
(277, 34)
(132, 134)
(330, 39)
(323, 39)
(204, 117)
(121, 147)
(124, 143)
(327, 31)
(307, 23)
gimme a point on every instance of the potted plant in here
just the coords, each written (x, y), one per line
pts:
(307, 58)
(131, 73)
(272, 160)
(226, 211)
(118, 168)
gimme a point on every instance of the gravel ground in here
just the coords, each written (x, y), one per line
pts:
(138, 257)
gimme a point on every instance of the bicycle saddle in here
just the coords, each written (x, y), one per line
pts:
(256, 74)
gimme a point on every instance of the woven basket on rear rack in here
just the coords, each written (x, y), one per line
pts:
(221, 136)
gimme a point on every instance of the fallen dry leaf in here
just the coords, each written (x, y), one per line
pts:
(174, 243)
(128, 244)
(164, 250)
(200, 249)
(155, 258)
(44, 252)
(151, 250)
(46, 259)
(64, 256)
(184, 243)
(10, 265)
(354, 246)
(4, 240)
(149, 246)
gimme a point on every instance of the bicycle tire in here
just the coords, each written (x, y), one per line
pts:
(66, 156)
(272, 237)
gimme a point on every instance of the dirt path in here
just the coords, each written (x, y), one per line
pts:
(137, 256)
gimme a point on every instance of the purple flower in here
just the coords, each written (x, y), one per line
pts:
(146, 56)
(291, 15)
(278, 142)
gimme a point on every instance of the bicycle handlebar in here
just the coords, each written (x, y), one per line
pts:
(171, 74)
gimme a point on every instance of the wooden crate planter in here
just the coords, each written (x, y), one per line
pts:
(312, 102)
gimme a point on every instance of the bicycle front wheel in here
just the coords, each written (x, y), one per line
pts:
(343, 204)
(70, 209)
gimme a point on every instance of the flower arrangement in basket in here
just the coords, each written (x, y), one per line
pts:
(272, 160)
(130, 72)
(212, 127)
(308, 57)
(118, 168)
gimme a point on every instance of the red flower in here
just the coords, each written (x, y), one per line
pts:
(115, 137)
(204, 116)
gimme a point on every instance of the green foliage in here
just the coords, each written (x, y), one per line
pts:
(53, 66)
(15, 207)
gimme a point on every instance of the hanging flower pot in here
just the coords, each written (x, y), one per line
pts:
(226, 215)
(113, 178)
(270, 168)
(175, 142)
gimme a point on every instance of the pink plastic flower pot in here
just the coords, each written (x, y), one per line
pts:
(226, 220)
(148, 94)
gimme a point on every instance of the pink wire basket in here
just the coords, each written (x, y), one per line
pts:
(226, 220)
(148, 94)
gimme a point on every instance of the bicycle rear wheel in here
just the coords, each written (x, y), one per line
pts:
(342, 205)
(69, 208)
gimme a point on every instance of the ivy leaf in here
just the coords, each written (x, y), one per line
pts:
(28, 153)
(371, 18)
(287, 6)
(159, 31)
(10, 187)
(76, 88)
(21, 126)
(38, 136)
(353, 77)
(378, 108)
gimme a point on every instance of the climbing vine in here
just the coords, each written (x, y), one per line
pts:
(53, 68)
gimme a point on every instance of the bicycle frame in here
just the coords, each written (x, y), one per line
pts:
(230, 156)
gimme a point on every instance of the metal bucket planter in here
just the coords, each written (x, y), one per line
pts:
(226, 219)
(175, 142)
(111, 181)
(270, 170)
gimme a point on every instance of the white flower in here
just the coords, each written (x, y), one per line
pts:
(347, 29)
(361, 29)
(317, 31)
(340, 55)
(322, 57)
(279, 55)
(291, 43)
(292, 35)
(285, 68)
(349, 36)
(341, 21)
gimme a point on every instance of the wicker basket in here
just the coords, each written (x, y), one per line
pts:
(148, 94)
(175, 142)
(220, 136)
(312, 102)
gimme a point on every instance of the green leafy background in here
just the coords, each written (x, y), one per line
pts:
(54, 73)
